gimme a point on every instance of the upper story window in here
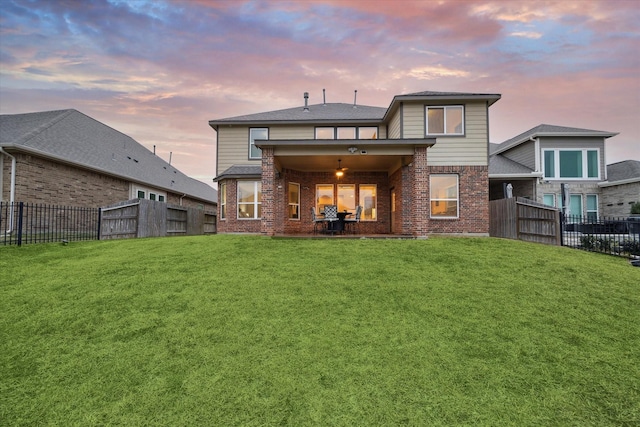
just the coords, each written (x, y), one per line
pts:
(347, 132)
(445, 120)
(256, 133)
(368, 132)
(325, 133)
(571, 164)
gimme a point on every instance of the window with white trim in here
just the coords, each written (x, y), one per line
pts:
(346, 197)
(324, 196)
(256, 133)
(294, 200)
(592, 207)
(368, 199)
(571, 164)
(249, 199)
(443, 191)
(445, 120)
(223, 200)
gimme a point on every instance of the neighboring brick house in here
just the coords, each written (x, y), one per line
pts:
(537, 162)
(417, 167)
(67, 158)
(621, 189)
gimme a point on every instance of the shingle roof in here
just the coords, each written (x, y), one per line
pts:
(240, 171)
(331, 112)
(500, 165)
(550, 130)
(624, 170)
(73, 137)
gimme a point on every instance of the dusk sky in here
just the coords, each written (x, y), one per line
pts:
(158, 70)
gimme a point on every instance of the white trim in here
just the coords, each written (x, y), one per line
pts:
(585, 164)
(621, 182)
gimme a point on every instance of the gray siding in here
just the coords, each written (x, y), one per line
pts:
(525, 154)
(470, 149)
(394, 124)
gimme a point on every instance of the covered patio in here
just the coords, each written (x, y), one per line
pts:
(388, 178)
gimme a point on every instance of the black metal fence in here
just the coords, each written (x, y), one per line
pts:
(615, 236)
(22, 223)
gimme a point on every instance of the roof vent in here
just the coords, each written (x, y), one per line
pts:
(355, 95)
(306, 102)
(324, 98)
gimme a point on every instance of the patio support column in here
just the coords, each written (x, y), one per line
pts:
(268, 191)
(420, 197)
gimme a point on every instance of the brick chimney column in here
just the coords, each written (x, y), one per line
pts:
(268, 192)
(421, 206)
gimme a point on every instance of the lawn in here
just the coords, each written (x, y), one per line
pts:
(253, 331)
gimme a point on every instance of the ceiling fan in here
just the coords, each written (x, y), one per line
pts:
(340, 170)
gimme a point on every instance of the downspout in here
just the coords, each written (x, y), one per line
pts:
(12, 190)
(182, 197)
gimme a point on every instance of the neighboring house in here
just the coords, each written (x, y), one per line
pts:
(417, 167)
(537, 162)
(67, 158)
(621, 189)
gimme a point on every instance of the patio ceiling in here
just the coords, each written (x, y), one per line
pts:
(385, 155)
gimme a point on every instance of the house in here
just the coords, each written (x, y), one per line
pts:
(621, 189)
(538, 162)
(67, 158)
(417, 167)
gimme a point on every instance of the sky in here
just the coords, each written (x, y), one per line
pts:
(159, 70)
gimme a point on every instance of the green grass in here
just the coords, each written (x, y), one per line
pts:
(253, 331)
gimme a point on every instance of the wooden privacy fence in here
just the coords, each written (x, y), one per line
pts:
(524, 219)
(148, 218)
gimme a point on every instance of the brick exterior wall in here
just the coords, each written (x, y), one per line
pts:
(40, 180)
(231, 224)
(473, 199)
(473, 195)
(616, 200)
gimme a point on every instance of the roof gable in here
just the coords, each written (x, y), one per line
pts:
(73, 137)
(543, 130)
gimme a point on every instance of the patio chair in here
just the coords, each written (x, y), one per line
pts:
(316, 220)
(351, 223)
(331, 216)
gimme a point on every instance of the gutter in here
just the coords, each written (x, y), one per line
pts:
(12, 191)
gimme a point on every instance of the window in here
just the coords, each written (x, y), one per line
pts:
(324, 196)
(160, 198)
(347, 133)
(575, 207)
(549, 199)
(346, 197)
(571, 164)
(249, 199)
(152, 196)
(141, 194)
(294, 200)
(592, 207)
(325, 133)
(368, 200)
(443, 191)
(256, 133)
(368, 132)
(223, 201)
(447, 120)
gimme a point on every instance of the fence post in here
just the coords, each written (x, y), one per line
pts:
(561, 228)
(99, 221)
(20, 211)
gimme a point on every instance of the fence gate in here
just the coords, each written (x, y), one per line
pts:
(524, 219)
